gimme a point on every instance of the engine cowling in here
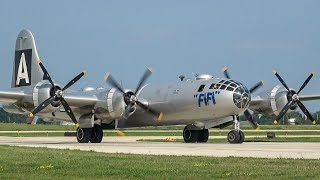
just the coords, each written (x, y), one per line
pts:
(272, 102)
(41, 92)
(110, 107)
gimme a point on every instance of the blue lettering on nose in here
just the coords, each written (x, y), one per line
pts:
(206, 98)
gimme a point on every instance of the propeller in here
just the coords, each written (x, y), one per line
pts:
(294, 99)
(131, 98)
(247, 113)
(57, 95)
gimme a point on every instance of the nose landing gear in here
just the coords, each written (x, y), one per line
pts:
(236, 136)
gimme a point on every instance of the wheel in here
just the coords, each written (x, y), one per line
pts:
(97, 134)
(190, 136)
(242, 137)
(203, 136)
(84, 135)
(234, 137)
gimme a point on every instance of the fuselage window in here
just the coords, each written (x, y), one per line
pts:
(201, 88)
(212, 86)
(223, 87)
(230, 88)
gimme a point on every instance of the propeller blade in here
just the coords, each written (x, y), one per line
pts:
(69, 111)
(126, 113)
(306, 112)
(109, 79)
(282, 81)
(74, 80)
(147, 108)
(249, 118)
(306, 82)
(150, 110)
(143, 79)
(46, 74)
(257, 86)
(283, 112)
(43, 105)
(225, 72)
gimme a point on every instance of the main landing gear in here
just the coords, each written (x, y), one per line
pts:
(236, 136)
(193, 136)
(93, 135)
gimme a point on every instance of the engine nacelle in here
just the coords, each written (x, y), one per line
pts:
(41, 92)
(272, 102)
(111, 106)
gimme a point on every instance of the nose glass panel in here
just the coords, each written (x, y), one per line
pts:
(241, 97)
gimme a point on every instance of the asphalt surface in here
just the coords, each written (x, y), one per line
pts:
(129, 145)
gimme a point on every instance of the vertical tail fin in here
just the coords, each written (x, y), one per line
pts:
(26, 70)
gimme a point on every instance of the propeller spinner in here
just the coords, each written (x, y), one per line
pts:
(58, 95)
(131, 98)
(294, 100)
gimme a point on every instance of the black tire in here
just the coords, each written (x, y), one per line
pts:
(203, 136)
(242, 137)
(97, 134)
(84, 135)
(190, 136)
(233, 137)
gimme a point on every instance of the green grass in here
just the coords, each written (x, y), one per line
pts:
(42, 134)
(41, 163)
(37, 127)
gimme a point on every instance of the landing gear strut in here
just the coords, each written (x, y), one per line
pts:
(93, 135)
(193, 136)
(236, 136)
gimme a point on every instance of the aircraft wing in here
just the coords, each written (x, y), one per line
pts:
(309, 97)
(256, 101)
(81, 100)
(78, 100)
(11, 96)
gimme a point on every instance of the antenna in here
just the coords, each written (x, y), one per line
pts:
(194, 75)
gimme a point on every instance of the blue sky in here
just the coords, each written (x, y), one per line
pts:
(251, 37)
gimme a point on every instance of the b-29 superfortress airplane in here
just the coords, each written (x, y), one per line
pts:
(201, 103)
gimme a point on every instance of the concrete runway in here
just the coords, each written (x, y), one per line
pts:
(129, 145)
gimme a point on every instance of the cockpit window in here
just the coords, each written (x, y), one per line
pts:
(227, 82)
(223, 87)
(201, 88)
(222, 81)
(230, 88)
(233, 85)
(212, 86)
(217, 86)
